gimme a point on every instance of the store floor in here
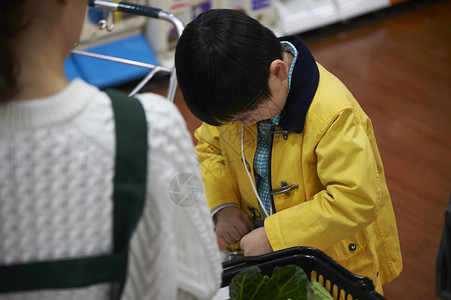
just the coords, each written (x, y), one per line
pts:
(397, 63)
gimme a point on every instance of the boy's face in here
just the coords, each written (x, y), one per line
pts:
(265, 110)
(278, 87)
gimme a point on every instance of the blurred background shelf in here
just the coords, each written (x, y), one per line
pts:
(155, 40)
(299, 16)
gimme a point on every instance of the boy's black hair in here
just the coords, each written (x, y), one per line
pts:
(222, 61)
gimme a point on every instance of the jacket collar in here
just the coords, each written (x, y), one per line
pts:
(304, 83)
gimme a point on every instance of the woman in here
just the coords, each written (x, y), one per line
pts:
(61, 150)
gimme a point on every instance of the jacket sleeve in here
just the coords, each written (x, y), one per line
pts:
(218, 183)
(350, 194)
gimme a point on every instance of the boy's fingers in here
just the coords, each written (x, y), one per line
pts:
(249, 223)
(225, 239)
(234, 229)
(229, 237)
(243, 227)
(236, 233)
(248, 226)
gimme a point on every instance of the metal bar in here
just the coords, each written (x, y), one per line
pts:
(172, 19)
(110, 5)
(139, 9)
(172, 89)
(143, 82)
(127, 7)
(122, 60)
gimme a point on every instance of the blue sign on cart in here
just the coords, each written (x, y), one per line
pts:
(103, 73)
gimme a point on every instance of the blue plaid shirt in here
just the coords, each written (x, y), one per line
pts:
(261, 158)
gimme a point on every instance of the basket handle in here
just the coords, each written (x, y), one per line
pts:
(271, 256)
(364, 282)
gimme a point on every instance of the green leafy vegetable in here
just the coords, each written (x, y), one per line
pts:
(286, 283)
(318, 292)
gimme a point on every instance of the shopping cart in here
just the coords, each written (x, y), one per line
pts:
(338, 281)
(141, 10)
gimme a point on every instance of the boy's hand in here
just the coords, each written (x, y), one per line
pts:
(232, 224)
(256, 243)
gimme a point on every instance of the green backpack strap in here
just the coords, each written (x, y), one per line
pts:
(129, 198)
(131, 166)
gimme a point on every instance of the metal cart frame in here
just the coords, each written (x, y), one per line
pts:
(141, 10)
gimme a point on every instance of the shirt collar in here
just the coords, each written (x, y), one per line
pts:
(290, 48)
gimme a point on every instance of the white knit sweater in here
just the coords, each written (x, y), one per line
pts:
(56, 172)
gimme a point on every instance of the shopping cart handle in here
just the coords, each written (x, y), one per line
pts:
(127, 7)
(139, 9)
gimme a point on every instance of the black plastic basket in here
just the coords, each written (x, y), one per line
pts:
(341, 283)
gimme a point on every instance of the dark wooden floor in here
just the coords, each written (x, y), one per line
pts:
(397, 63)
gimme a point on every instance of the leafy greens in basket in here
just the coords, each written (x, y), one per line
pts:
(289, 282)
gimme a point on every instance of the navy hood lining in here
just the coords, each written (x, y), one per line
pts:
(304, 83)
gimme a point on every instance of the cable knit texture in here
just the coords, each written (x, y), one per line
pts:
(56, 174)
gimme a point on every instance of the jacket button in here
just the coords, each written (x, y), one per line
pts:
(352, 247)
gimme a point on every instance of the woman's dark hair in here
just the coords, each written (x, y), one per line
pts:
(222, 61)
(11, 23)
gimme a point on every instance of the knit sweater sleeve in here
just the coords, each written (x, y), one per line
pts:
(174, 254)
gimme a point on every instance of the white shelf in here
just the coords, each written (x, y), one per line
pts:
(296, 16)
(353, 8)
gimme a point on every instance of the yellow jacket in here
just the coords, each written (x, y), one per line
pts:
(341, 206)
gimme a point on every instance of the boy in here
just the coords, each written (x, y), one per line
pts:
(284, 142)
